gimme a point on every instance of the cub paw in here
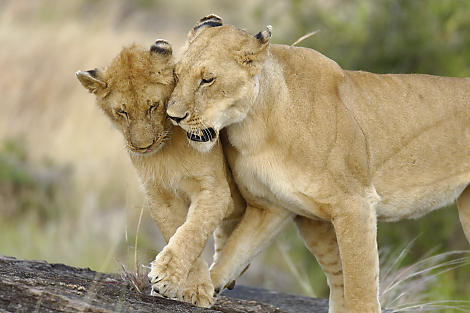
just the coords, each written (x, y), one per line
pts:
(166, 276)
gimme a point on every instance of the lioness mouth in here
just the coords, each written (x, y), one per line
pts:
(207, 135)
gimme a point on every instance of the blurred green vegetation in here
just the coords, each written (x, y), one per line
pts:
(387, 36)
(30, 189)
(43, 214)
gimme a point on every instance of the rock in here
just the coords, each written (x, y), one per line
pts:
(37, 286)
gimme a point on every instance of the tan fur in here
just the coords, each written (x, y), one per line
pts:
(189, 193)
(339, 149)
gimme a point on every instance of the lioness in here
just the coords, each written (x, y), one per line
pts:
(189, 193)
(334, 150)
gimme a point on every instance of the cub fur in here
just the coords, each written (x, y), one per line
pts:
(189, 193)
(334, 150)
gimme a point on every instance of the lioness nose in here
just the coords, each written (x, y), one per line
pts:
(178, 119)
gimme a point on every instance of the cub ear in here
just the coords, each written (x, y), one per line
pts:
(208, 21)
(254, 51)
(161, 48)
(91, 80)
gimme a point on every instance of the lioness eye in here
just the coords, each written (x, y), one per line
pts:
(153, 107)
(206, 81)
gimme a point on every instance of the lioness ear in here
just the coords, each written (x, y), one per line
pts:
(208, 21)
(253, 53)
(161, 48)
(92, 80)
(264, 36)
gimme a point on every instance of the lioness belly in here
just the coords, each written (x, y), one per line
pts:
(426, 173)
(416, 202)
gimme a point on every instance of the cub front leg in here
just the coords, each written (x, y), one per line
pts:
(320, 239)
(169, 213)
(356, 231)
(171, 267)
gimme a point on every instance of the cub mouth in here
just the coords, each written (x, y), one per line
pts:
(205, 135)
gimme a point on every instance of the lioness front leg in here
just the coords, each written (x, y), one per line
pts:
(169, 214)
(171, 267)
(320, 238)
(463, 205)
(198, 288)
(221, 235)
(255, 231)
(356, 231)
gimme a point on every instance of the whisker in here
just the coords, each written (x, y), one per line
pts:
(207, 129)
(206, 133)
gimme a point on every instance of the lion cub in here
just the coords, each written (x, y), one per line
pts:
(189, 193)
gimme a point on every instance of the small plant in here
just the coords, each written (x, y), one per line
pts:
(404, 288)
(137, 278)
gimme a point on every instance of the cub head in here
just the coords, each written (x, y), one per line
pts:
(216, 79)
(133, 92)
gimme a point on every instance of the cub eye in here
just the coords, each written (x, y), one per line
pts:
(206, 81)
(122, 113)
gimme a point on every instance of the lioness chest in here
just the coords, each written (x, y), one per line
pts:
(268, 180)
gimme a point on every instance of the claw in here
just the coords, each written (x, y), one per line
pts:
(153, 280)
(230, 285)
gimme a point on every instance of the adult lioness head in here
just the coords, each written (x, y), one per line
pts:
(216, 79)
(133, 91)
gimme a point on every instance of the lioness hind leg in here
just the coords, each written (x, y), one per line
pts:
(463, 204)
(320, 239)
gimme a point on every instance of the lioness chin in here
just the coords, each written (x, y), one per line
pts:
(334, 150)
(189, 193)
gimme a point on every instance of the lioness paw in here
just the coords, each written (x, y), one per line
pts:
(199, 295)
(198, 288)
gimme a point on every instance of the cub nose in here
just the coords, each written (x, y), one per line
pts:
(178, 119)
